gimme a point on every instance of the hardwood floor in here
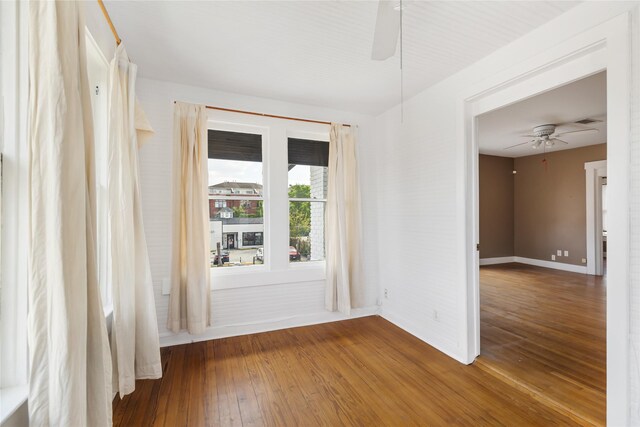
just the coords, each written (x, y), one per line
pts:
(357, 372)
(544, 331)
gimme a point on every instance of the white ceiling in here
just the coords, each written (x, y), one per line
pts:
(316, 52)
(585, 98)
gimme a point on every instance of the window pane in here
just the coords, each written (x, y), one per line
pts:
(236, 225)
(307, 180)
(306, 231)
(238, 231)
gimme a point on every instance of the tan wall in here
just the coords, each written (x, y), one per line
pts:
(496, 206)
(550, 205)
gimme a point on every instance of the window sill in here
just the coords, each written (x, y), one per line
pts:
(12, 398)
(259, 276)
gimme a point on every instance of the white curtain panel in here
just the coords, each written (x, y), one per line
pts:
(189, 302)
(135, 346)
(69, 360)
(343, 240)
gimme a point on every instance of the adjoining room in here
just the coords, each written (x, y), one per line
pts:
(543, 316)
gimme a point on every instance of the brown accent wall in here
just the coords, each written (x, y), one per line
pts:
(496, 206)
(550, 204)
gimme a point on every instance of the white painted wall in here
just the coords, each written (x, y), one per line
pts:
(281, 302)
(634, 228)
(421, 169)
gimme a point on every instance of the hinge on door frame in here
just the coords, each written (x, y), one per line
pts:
(477, 246)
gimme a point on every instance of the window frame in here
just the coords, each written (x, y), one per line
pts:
(15, 195)
(276, 270)
(218, 275)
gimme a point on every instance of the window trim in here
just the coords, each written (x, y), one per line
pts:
(275, 134)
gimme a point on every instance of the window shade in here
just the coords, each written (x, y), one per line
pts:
(308, 152)
(226, 145)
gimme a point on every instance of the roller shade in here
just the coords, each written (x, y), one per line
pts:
(308, 152)
(226, 145)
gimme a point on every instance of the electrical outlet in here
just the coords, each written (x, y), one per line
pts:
(584, 260)
(166, 286)
(559, 252)
(386, 293)
(566, 253)
(553, 257)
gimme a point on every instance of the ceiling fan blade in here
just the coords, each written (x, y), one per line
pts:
(517, 145)
(576, 131)
(558, 139)
(529, 136)
(385, 38)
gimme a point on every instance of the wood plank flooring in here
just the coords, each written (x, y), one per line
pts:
(544, 331)
(363, 372)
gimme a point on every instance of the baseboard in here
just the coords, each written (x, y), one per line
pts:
(552, 264)
(537, 262)
(215, 332)
(498, 260)
(413, 329)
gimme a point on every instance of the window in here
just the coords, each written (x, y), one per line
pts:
(236, 203)
(308, 161)
(252, 238)
(98, 74)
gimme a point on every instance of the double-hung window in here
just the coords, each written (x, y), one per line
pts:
(308, 161)
(236, 199)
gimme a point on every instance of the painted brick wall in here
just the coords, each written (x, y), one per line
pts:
(319, 191)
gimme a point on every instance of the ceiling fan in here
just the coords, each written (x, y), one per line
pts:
(545, 136)
(388, 25)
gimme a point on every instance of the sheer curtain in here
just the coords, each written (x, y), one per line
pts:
(189, 302)
(69, 361)
(344, 276)
(135, 346)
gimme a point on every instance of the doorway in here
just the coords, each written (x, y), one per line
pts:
(605, 47)
(231, 240)
(535, 294)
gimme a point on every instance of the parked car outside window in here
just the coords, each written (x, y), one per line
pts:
(294, 255)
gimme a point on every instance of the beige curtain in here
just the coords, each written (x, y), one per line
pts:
(69, 361)
(189, 302)
(135, 346)
(344, 277)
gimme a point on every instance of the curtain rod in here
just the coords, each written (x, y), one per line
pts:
(108, 18)
(273, 116)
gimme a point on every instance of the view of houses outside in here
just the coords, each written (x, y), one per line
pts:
(236, 215)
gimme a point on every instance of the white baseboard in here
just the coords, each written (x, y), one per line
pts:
(552, 264)
(215, 332)
(498, 260)
(537, 262)
(414, 330)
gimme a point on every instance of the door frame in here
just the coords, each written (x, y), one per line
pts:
(594, 173)
(606, 46)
